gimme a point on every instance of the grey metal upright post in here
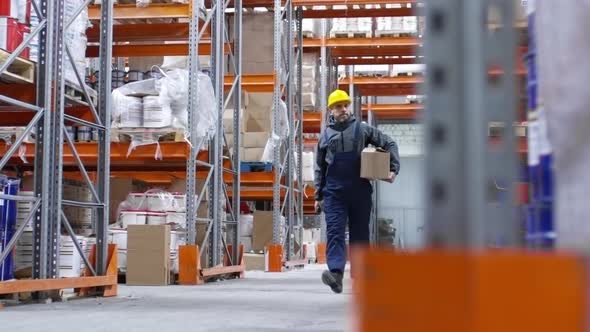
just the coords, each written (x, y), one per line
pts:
(460, 166)
(374, 229)
(43, 142)
(291, 139)
(276, 122)
(104, 136)
(324, 74)
(300, 195)
(324, 94)
(56, 132)
(192, 109)
(218, 79)
(357, 104)
(237, 120)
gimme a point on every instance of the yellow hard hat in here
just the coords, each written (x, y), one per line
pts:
(338, 96)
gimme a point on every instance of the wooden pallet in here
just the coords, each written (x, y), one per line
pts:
(350, 34)
(74, 94)
(308, 34)
(394, 34)
(165, 134)
(20, 71)
(366, 74)
(406, 74)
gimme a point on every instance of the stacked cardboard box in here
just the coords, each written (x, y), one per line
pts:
(258, 43)
(310, 81)
(255, 126)
(262, 230)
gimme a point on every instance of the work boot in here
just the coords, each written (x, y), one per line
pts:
(334, 280)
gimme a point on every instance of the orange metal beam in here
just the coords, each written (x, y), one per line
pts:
(253, 83)
(141, 155)
(247, 3)
(154, 10)
(329, 3)
(377, 61)
(145, 32)
(366, 51)
(384, 86)
(356, 47)
(394, 111)
(312, 122)
(377, 42)
(21, 118)
(360, 12)
(130, 50)
(266, 194)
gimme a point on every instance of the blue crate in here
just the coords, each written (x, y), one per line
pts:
(250, 167)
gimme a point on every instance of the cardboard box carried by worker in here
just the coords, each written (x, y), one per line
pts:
(375, 164)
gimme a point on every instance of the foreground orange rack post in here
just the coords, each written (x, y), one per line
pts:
(456, 291)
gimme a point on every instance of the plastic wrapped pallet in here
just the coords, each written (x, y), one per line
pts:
(75, 39)
(310, 83)
(163, 104)
(308, 166)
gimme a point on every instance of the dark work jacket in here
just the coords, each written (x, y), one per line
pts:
(339, 137)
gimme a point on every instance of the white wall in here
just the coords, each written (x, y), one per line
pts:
(403, 200)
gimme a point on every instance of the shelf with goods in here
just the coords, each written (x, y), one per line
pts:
(183, 34)
(44, 222)
(125, 162)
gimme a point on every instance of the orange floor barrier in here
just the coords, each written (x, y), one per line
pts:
(190, 271)
(84, 286)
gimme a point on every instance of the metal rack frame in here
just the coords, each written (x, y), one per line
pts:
(460, 210)
(49, 121)
(47, 216)
(218, 191)
(286, 66)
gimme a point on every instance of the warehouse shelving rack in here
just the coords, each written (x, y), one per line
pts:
(50, 109)
(225, 258)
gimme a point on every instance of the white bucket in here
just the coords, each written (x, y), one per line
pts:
(127, 218)
(176, 219)
(156, 218)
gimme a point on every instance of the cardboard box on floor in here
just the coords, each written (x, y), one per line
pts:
(375, 164)
(262, 230)
(254, 262)
(148, 255)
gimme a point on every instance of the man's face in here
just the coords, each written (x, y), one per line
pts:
(340, 111)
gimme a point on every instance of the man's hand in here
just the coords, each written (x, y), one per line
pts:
(391, 177)
(318, 206)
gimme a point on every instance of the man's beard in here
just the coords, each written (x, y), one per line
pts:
(343, 117)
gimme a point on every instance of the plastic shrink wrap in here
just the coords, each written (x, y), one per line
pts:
(280, 135)
(148, 109)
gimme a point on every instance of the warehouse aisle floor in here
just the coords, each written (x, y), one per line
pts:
(291, 301)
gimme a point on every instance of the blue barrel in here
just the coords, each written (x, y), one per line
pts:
(540, 223)
(8, 212)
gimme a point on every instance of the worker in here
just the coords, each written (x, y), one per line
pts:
(340, 191)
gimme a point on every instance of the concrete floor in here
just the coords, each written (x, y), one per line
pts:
(291, 301)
